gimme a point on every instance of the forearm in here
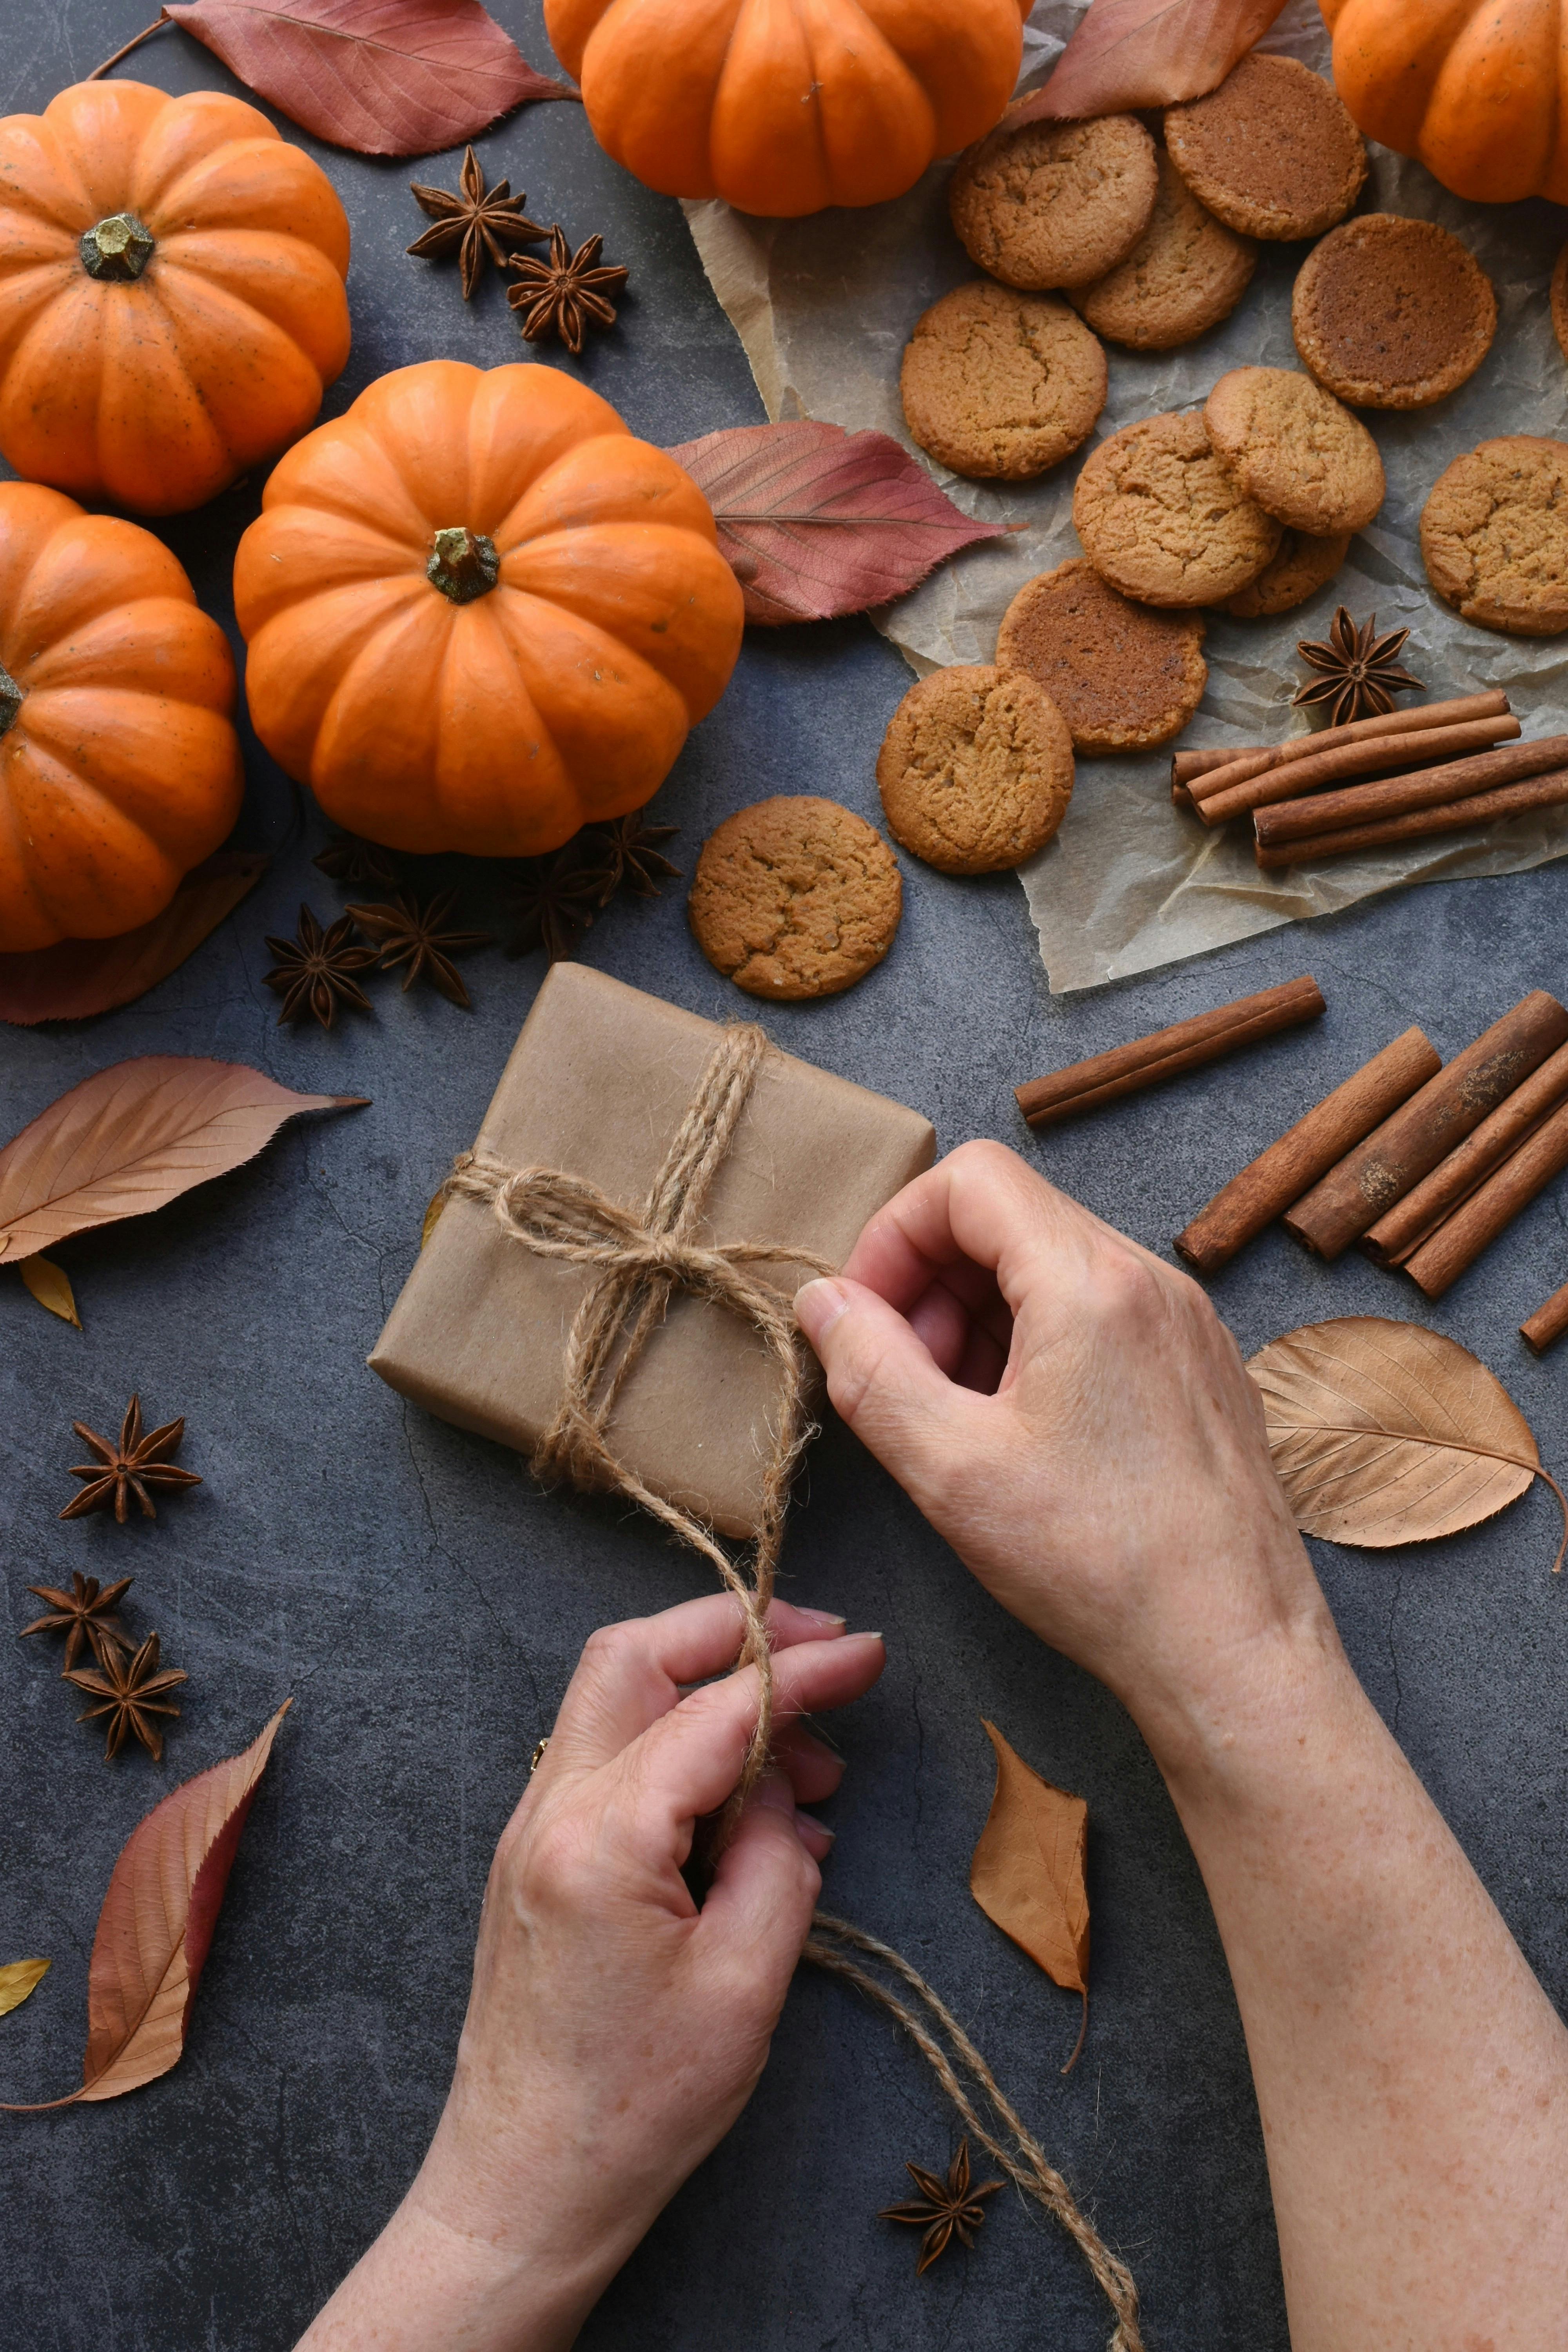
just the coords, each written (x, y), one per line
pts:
(1411, 2074)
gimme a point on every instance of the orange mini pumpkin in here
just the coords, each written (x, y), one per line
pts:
(480, 612)
(172, 301)
(1477, 89)
(119, 768)
(783, 106)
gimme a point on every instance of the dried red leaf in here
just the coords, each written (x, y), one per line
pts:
(79, 977)
(156, 1925)
(133, 1137)
(384, 76)
(816, 521)
(1131, 53)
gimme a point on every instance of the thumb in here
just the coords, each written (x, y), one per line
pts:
(885, 1383)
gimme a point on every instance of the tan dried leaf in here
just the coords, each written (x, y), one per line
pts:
(1385, 1434)
(1027, 1873)
(134, 1138)
(436, 1202)
(50, 1285)
(17, 1979)
(1132, 53)
(156, 1925)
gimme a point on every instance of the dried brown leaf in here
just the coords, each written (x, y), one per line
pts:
(432, 1209)
(79, 977)
(156, 1925)
(50, 1285)
(384, 76)
(1132, 53)
(816, 521)
(17, 1979)
(134, 1136)
(1027, 1873)
(1385, 1434)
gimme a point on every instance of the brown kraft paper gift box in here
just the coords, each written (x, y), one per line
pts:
(597, 1084)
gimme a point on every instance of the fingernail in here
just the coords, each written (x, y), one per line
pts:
(823, 1616)
(816, 1839)
(877, 1636)
(817, 1308)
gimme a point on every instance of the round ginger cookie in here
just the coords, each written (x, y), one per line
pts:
(976, 770)
(1053, 204)
(1124, 676)
(1162, 519)
(1000, 385)
(1494, 535)
(794, 896)
(1272, 151)
(1303, 565)
(1186, 272)
(1296, 450)
(1392, 314)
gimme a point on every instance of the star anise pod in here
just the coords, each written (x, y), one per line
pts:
(565, 295)
(350, 860)
(946, 2209)
(132, 1467)
(83, 1616)
(129, 1692)
(632, 858)
(477, 222)
(555, 901)
(314, 971)
(412, 934)
(1359, 680)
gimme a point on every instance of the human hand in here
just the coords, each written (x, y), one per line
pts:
(1072, 1416)
(615, 2030)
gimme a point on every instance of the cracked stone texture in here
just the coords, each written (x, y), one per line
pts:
(425, 1605)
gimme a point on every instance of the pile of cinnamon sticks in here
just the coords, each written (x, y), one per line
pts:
(1421, 1162)
(1406, 776)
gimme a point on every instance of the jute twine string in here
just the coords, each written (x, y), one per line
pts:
(643, 1259)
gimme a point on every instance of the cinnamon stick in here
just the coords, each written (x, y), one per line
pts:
(1217, 801)
(1548, 1323)
(1452, 779)
(1460, 1239)
(1127, 1069)
(1371, 1178)
(1397, 1236)
(1185, 765)
(1423, 824)
(1282, 1173)
(1426, 715)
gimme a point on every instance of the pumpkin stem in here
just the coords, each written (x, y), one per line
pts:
(117, 247)
(463, 565)
(11, 699)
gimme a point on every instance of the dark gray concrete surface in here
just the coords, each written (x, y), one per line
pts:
(425, 1605)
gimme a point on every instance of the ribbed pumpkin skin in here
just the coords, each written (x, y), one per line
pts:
(783, 106)
(157, 393)
(499, 725)
(1477, 89)
(121, 770)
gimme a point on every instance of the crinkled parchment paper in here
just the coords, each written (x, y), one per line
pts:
(825, 307)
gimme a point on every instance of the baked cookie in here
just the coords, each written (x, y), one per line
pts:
(1186, 272)
(1393, 313)
(1272, 151)
(1494, 535)
(976, 769)
(796, 897)
(1303, 565)
(1296, 450)
(1162, 519)
(1055, 203)
(1124, 677)
(1560, 301)
(1000, 385)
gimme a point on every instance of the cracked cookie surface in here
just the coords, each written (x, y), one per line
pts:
(1392, 314)
(1273, 151)
(1296, 450)
(1186, 272)
(1303, 565)
(1494, 535)
(1124, 676)
(976, 770)
(1055, 203)
(1164, 522)
(1001, 385)
(794, 896)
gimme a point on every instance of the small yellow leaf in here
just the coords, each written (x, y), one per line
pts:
(433, 1215)
(1028, 1872)
(50, 1285)
(18, 1979)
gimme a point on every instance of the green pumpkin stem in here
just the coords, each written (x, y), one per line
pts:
(117, 247)
(463, 565)
(12, 697)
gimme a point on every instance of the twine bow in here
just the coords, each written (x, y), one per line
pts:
(642, 1259)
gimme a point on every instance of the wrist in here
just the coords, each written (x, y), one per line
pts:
(1281, 1700)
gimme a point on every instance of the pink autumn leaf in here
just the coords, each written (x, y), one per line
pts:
(1131, 53)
